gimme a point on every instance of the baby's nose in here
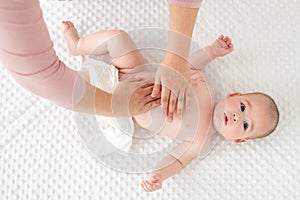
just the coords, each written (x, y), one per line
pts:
(235, 117)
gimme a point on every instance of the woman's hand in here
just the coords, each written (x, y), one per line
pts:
(153, 183)
(133, 98)
(141, 100)
(172, 80)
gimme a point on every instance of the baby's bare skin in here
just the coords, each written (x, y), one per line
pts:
(125, 56)
(71, 36)
(204, 102)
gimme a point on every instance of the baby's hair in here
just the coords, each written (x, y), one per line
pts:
(273, 113)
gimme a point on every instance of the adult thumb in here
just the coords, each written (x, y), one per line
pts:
(156, 87)
(155, 91)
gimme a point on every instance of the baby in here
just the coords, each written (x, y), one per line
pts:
(238, 117)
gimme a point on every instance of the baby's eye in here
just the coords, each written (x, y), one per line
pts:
(243, 107)
(245, 125)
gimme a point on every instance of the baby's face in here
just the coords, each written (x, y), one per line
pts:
(238, 116)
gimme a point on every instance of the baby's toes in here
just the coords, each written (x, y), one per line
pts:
(64, 26)
(70, 24)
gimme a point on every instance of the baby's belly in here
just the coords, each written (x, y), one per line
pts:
(195, 121)
(156, 122)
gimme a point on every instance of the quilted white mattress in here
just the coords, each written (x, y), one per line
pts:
(41, 153)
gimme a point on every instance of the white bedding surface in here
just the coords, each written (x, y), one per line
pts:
(41, 154)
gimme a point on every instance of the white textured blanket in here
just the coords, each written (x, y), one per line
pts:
(41, 154)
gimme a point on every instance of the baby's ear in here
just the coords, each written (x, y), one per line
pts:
(234, 94)
(236, 141)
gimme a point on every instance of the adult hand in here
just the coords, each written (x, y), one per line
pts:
(141, 100)
(172, 80)
(133, 98)
(173, 90)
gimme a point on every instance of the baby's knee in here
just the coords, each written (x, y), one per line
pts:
(120, 43)
(120, 32)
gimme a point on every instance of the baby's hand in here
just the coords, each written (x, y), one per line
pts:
(154, 183)
(221, 47)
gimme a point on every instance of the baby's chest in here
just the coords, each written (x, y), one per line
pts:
(196, 121)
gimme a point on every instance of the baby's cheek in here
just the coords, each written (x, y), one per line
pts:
(230, 133)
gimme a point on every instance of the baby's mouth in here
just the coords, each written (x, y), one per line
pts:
(225, 119)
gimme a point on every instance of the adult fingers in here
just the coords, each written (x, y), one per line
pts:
(187, 98)
(151, 104)
(180, 104)
(156, 89)
(165, 95)
(146, 85)
(171, 106)
(157, 85)
(147, 101)
(147, 91)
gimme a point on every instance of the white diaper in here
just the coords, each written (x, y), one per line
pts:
(118, 131)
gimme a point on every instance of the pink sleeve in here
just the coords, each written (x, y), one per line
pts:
(26, 50)
(186, 3)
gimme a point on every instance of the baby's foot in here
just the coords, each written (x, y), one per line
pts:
(71, 36)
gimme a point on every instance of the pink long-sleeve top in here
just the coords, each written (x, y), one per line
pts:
(186, 3)
(26, 50)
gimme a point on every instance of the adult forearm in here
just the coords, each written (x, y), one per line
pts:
(182, 19)
(181, 25)
(95, 101)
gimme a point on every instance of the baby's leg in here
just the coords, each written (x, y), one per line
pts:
(117, 43)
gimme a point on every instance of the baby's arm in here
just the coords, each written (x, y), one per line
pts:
(221, 47)
(171, 164)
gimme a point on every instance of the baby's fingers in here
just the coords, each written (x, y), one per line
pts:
(229, 50)
(144, 187)
(148, 187)
(154, 178)
(229, 42)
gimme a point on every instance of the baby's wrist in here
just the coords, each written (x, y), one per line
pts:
(210, 52)
(156, 174)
